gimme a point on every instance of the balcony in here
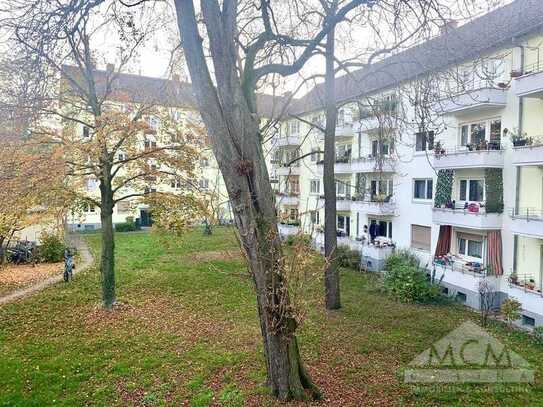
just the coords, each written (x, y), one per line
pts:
(341, 166)
(527, 221)
(528, 155)
(287, 141)
(467, 219)
(343, 203)
(530, 84)
(456, 264)
(284, 170)
(479, 99)
(374, 207)
(367, 125)
(283, 198)
(370, 164)
(287, 229)
(463, 157)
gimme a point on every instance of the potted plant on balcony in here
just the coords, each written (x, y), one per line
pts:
(438, 149)
(518, 139)
(515, 73)
(513, 278)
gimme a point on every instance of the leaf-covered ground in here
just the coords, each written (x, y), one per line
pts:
(186, 333)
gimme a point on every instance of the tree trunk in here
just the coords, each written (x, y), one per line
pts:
(107, 259)
(233, 128)
(331, 275)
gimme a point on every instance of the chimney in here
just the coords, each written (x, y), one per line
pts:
(110, 68)
(448, 26)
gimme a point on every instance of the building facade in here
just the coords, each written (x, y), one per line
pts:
(459, 184)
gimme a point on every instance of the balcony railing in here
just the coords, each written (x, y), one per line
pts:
(529, 82)
(466, 217)
(525, 282)
(453, 263)
(488, 154)
(527, 213)
(473, 96)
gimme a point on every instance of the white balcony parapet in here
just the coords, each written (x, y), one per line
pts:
(527, 222)
(375, 208)
(370, 164)
(343, 204)
(285, 170)
(462, 157)
(531, 83)
(285, 199)
(286, 141)
(339, 168)
(287, 230)
(528, 155)
(482, 98)
(367, 125)
(464, 218)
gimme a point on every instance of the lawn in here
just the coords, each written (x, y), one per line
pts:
(187, 333)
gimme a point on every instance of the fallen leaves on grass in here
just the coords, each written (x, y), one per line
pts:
(18, 276)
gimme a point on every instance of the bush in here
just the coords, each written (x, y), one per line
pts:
(348, 258)
(538, 335)
(510, 309)
(294, 239)
(128, 226)
(406, 281)
(51, 249)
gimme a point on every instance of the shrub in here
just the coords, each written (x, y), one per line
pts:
(538, 335)
(294, 239)
(406, 281)
(510, 309)
(128, 226)
(348, 258)
(51, 249)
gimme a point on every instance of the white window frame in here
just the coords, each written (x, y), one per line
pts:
(465, 255)
(388, 227)
(468, 188)
(312, 183)
(487, 124)
(426, 181)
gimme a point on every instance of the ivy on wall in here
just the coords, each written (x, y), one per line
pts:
(444, 187)
(494, 190)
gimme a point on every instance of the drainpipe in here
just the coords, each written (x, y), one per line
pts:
(521, 99)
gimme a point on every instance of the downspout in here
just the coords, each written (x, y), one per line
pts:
(521, 99)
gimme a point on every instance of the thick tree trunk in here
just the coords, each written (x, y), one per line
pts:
(331, 275)
(107, 258)
(233, 128)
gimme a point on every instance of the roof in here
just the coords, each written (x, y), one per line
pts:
(162, 92)
(466, 42)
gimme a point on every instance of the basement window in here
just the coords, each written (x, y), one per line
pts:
(528, 321)
(461, 297)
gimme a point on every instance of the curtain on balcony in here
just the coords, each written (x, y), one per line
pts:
(494, 252)
(444, 241)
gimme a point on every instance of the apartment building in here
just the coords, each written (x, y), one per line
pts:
(465, 196)
(463, 191)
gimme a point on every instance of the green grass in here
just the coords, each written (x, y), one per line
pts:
(187, 333)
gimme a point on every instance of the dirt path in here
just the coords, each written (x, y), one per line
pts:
(85, 261)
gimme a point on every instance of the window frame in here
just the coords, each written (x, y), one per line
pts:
(426, 182)
(468, 181)
(316, 182)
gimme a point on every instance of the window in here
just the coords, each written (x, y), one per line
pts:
(122, 157)
(89, 208)
(154, 122)
(381, 188)
(204, 162)
(423, 189)
(421, 237)
(86, 132)
(472, 190)
(277, 156)
(461, 297)
(149, 145)
(344, 151)
(92, 184)
(315, 217)
(475, 133)
(424, 141)
(294, 127)
(204, 183)
(315, 156)
(383, 227)
(528, 321)
(123, 207)
(315, 186)
(293, 185)
(340, 188)
(470, 246)
(176, 184)
(293, 214)
(383, 150)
